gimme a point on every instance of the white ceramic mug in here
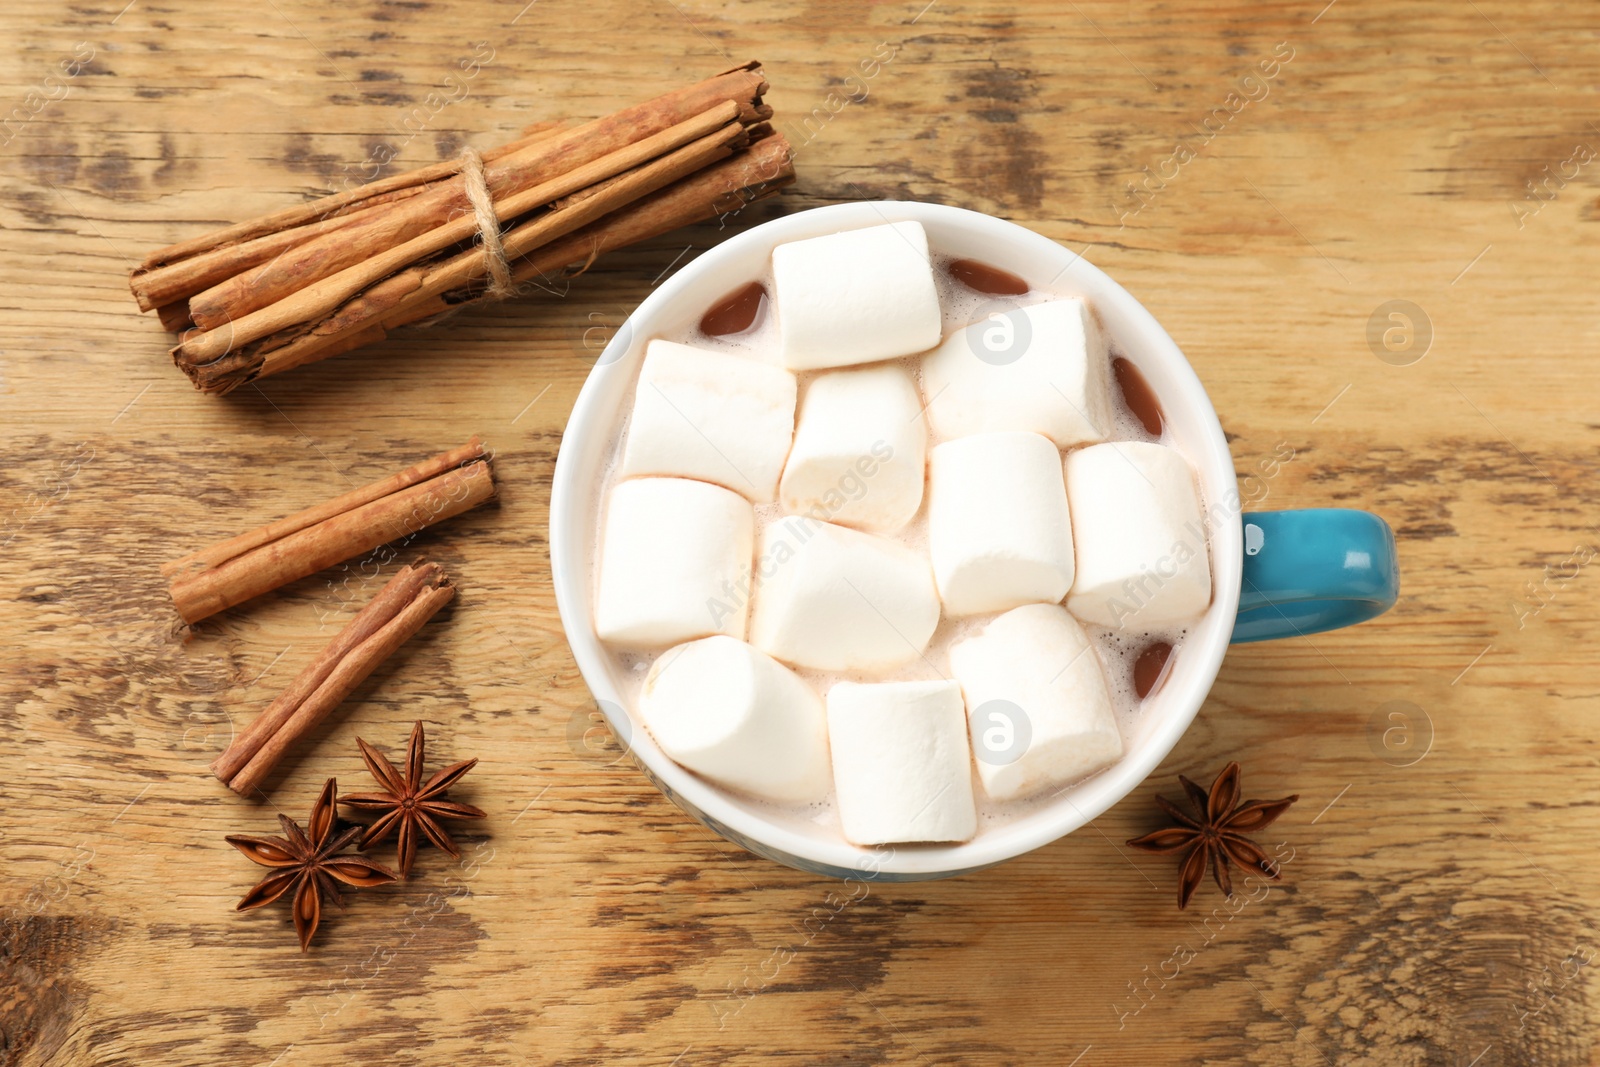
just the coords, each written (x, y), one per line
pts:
(1192, 423)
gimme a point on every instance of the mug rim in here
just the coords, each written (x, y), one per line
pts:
(574, 515)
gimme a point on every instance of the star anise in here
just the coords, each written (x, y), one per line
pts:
(1217, 834)
(309, 863)
(409, 803)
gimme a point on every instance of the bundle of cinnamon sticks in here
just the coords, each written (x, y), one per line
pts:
(331, 275)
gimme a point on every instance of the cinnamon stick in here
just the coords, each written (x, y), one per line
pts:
(243, 567)
(407, 601)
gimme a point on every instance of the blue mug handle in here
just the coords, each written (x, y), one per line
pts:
(1312, 570)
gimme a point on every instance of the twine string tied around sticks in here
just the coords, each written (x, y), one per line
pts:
(494, 252)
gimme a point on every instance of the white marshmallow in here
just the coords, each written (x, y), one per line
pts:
(838, 599)
(1141, 547)
(740, 718)
(999, 531)
(714, 416)
(671, 549)
(1037, 702)
(855, 297)
(1044, 368)
(900, 762)
(859, 450)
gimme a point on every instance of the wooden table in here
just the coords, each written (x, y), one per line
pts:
(1440, 905)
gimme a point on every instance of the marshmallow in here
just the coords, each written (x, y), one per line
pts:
(839, 600)
(999, 531)
(855, 297)
(859, 450)
(740, 718)
(714, 416)
(900, 762)
(1141, 546)
(1043, 368)
(671, 550)
(1037, 702)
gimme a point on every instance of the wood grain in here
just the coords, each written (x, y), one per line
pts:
(1439, 910)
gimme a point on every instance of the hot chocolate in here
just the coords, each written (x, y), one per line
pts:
(952, 487)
